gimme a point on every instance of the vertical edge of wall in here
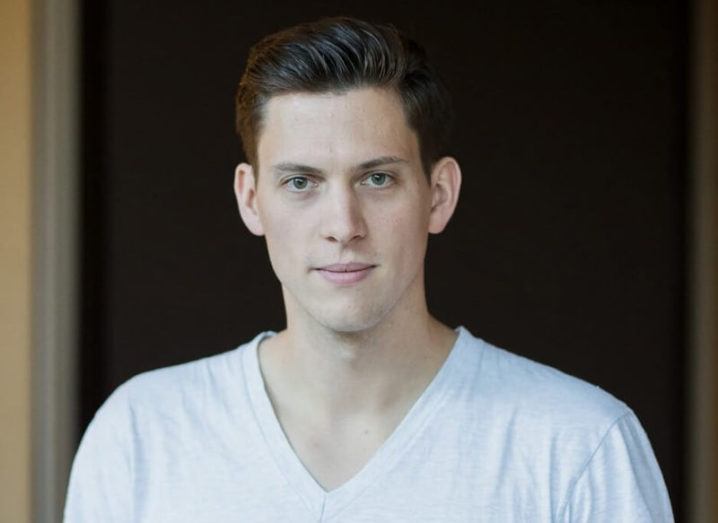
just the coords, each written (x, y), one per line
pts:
(56, 203)
(703, 293)
(15, 253)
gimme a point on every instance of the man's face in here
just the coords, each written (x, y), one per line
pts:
(344, 205)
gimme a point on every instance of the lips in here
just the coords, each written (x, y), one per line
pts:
(345, 273)
(345, 267)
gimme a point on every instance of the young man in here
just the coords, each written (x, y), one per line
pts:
(365, 408)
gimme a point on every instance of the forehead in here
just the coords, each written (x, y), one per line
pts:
(327, 128)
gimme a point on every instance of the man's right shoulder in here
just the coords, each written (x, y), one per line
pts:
(184, 389)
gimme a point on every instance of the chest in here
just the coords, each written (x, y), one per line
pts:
(428, 479)
(334, 455)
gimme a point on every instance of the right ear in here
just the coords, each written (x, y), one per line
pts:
(245, 190)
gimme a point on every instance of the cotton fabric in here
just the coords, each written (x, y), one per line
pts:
(495, 437)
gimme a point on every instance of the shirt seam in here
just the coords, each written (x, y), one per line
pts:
(386, 470)
(571, 489)
(409, 444)
(260, 426)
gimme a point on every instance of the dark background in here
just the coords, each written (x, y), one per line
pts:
(568, 245)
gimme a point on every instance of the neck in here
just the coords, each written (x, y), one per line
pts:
(370, 372)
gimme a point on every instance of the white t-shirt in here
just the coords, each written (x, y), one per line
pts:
(494, 437)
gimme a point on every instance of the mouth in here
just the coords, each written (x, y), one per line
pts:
(345, 273)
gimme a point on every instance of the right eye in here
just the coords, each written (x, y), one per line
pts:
(298, 183)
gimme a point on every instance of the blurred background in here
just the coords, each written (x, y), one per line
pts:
(585, 237)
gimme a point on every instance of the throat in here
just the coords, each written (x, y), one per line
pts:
(336, 417)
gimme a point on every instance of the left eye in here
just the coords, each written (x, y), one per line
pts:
(378, 179)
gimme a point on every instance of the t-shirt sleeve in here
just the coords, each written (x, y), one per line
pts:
(101, 477)
(621, 481)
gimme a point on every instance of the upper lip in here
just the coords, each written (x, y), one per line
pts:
(345, 267)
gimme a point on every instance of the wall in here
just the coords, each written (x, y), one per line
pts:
(15, 261)
(703, 305)
(568, 244)
(16, 285)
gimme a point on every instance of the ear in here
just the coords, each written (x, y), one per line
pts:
(445, 185)
(245, 190)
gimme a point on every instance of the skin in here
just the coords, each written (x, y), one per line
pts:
(341, 182)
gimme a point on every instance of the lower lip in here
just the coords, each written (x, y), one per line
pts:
(345, 278)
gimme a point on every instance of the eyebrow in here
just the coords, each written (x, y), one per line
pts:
(298, 168)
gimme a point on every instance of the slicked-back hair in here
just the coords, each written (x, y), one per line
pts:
(334, 55)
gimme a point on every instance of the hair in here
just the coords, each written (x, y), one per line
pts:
(338, 54)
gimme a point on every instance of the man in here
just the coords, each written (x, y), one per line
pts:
(365, 408)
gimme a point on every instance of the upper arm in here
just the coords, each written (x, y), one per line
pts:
(621, 481)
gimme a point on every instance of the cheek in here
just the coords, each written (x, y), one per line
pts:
(283, 236)
(405, 232)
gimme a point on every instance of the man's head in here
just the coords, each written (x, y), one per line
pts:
(343, 200)
(334, 55)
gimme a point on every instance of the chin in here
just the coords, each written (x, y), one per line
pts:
(350, 321)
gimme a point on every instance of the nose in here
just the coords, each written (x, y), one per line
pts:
(343, 220)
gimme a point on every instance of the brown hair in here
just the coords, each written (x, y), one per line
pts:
(338, 54)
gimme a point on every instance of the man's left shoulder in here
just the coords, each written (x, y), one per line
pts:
(541, 394)
(563, 445)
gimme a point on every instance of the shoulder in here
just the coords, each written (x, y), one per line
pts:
(520, 383)
(533, 406)
(146, 423)
(189, 390)
(583, 442)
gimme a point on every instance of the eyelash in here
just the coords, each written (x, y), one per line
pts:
(388, 177)
(289, 181)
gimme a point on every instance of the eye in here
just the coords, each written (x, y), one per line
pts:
(298, 183)
(378, 179)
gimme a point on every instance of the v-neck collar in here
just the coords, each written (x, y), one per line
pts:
(327, 504)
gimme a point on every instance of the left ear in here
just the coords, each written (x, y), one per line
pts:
(445, 185)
